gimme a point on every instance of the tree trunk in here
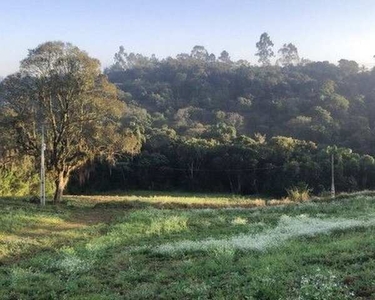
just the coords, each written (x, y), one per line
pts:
(231, 185)
(333, 189)
(239, 184)
(191, 175)
(60, 183)
(364, 181)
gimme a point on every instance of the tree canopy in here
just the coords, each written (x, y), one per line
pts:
(264, 47)
(61, 88)
(192, 122)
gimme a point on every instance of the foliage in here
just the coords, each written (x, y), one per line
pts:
(264, 47)
(289, 55)
(60, 87)
(323, 285)
(19, 179)
(240, 165)
(227, 104)
(299, 193)
(315, 101)
(197, 123)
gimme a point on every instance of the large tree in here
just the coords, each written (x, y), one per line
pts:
(224, 57)
(264, 47)
(348, 67)
(62, 88)
(199, 53)
(288, 55)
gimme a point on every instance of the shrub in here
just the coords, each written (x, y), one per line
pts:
(299, 193)
(22, 179)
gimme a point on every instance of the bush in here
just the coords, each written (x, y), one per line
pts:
(22, 180)
(299, 193)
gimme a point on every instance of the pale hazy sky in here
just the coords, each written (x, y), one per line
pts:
(321, 29)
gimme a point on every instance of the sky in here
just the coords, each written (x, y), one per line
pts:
(321, 30)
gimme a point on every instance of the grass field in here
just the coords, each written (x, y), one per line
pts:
(180, 246)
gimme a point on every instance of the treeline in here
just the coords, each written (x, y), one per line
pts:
(196, 122)
(242, 166)
(215, 124)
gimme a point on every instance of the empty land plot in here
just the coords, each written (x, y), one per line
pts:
(312, 250)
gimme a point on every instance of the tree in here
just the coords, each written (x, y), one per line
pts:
(332, 100)
(367, 163)
(348, 67)
(264, 47)
(61, 87)
(192, 154)
(337, 155)
(120, 59)
(224, 57)
(124, 61)
(289, 55)
(199, 53)
(211, 58)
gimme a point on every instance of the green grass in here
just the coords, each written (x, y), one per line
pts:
(320, 249)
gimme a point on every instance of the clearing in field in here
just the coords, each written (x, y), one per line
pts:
(184, 246)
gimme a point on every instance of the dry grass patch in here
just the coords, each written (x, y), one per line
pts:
(163, 201)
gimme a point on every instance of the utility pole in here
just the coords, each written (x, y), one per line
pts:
(42, 172)
(333, 190)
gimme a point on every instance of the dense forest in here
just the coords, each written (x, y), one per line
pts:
(207, 123)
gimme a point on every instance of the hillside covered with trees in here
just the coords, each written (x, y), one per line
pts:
(209, 123)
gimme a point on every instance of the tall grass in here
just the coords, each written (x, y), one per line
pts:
(299, 193)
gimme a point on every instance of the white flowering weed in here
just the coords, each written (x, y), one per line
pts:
(321, 286)
(70, 262)
(239, 221)
(287, 228)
